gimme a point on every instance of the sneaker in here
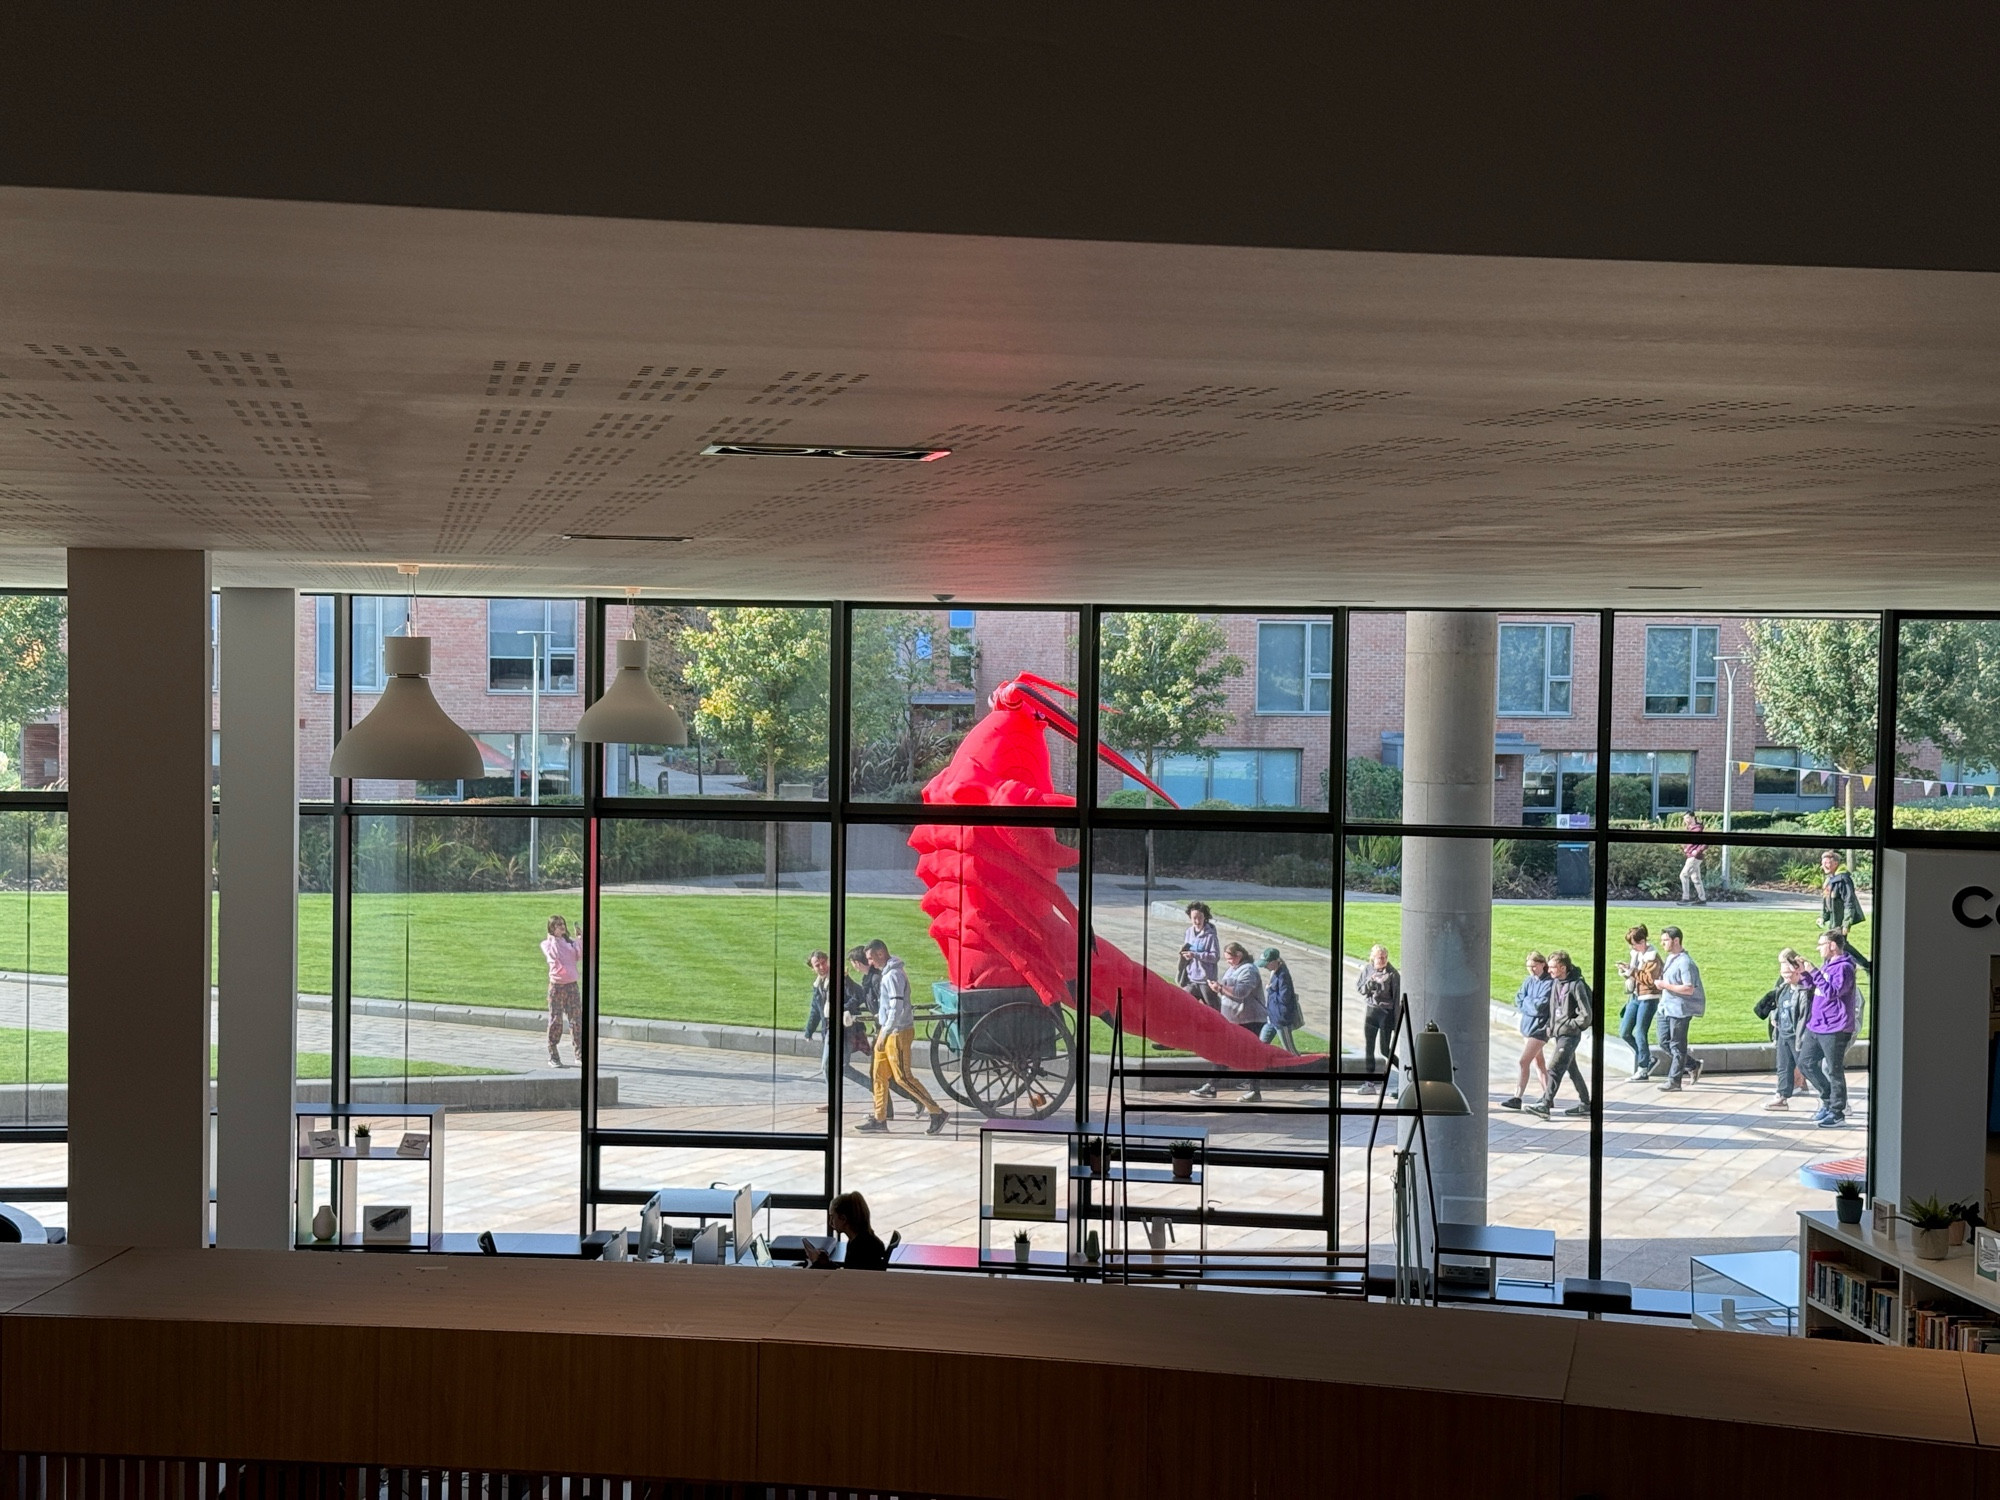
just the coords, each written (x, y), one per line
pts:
(938, 1122)
(1694, 1074)
(554, 1061)
(1203, 1091)
(1253, 1097)
(1673, 1086)
(1831, 1122)
(1640, 1075)
(1577, 1109)
(871, 1127)
(1779, 1103)
(1513, 1103)
(1538, 1109)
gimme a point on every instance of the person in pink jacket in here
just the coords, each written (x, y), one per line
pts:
(565, 956)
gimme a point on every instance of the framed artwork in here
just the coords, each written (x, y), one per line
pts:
(1024, 1192)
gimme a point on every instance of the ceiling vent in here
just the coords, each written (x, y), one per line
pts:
(815, 450)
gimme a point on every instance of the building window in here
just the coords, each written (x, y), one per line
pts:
(1665, 778)
(963, 656)
(1783, 780)
(1680, 671)
(514, 627)
(1558, 783)
(375, 616)
(1243, 778)
(1295, 667)
(1535, 670)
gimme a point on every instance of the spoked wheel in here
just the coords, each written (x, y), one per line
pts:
(1019, 1061)
(945, 1058)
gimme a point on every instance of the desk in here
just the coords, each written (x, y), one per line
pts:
(1494, 1243)
(706, 1203)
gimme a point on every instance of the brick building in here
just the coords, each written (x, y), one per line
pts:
(1672, 736)
(1670, 732)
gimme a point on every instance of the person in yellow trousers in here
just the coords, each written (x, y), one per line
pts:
(895, 1029)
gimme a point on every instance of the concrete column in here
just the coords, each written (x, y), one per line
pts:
(1450, 661)
(139, 667)
(1937, 978)
(258, 928)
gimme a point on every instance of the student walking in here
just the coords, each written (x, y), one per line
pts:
(895, 1028)
(1840, 908)
(1531, 1002)
(1831, 1023)
(1681, 1000)
(1380, 986)
(1641, 972)
(1785, 1006)
(1693, 891)
(565, 956)
(1283, 1013)
(1201, 955)
(1241, 989)
(1570, 1014)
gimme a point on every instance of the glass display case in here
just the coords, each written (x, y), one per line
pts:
(1750, 1292)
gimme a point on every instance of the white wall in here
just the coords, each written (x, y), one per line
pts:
(1933, 990)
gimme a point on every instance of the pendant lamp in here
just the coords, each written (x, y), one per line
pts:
(406, 735)
(631, 712)
(1431, 1073)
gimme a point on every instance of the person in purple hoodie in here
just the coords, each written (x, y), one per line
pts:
(1831, 1020)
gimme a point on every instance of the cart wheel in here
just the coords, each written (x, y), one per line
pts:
(1019, 1061)
(945, 1061)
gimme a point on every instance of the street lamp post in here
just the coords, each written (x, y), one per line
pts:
(536, 654)
(1728, 664)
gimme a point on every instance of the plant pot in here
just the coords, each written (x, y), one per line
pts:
(1848, 1210)
(1957, 1232)
(1020, 1252)
(1931, 1244)
(1183, 1168)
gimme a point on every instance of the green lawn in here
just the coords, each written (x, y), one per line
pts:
(43, 1057)
(1736, 947)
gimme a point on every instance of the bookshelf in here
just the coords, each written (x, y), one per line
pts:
(1865, 1287)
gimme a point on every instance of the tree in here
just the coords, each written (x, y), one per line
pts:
(893, 661)
(760, 677)
(1948, 691)
(1163, 682)
(34, 666)
(1816, 687)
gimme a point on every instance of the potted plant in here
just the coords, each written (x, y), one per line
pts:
(1965, 1217)
(1181, 1155)
(1021, 1247)
(1931, 1221)
(1847, 1200)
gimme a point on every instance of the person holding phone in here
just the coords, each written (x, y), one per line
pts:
(565, 957)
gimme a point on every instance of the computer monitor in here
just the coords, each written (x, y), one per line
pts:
(743, 1227)
(649, 1229)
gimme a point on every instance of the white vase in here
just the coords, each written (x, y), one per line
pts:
(323, 1225)
(1931, 1244)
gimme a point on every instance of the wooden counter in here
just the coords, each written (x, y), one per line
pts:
(954, 1386)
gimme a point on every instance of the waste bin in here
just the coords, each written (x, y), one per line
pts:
(1572, 870)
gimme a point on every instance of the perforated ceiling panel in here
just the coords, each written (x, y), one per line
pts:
(320, 392)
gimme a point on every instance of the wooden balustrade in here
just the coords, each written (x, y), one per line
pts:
(577, 1377)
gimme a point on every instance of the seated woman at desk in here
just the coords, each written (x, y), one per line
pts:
(848, 1215)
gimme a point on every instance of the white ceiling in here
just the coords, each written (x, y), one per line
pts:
(316, 392)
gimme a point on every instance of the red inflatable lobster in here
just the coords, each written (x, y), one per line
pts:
(996, 908)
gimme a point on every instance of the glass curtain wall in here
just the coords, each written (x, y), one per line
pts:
(1508, 784)
(34, 905)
